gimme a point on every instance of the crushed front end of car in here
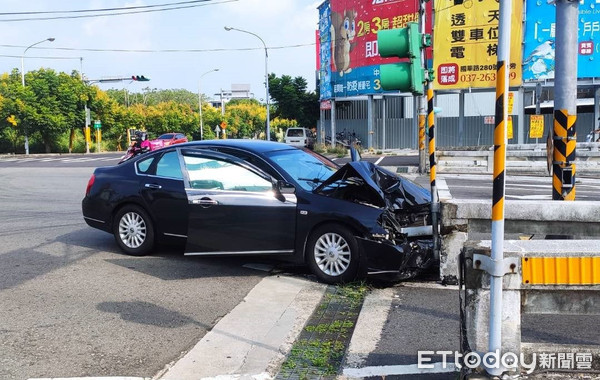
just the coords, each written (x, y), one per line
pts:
(399, 241)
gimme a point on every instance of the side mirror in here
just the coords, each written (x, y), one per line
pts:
(282, 187)
(286, 187)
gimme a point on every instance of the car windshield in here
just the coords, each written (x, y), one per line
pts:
(295, 133)
(168, 136)
(306, 168)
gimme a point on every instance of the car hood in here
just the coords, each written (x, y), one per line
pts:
(372, 184)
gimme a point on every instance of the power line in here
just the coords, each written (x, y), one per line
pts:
(204, 3)
(33, 57)
(162, 51)
(102, 9)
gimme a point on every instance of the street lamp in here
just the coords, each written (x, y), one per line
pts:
(228, 28)
(23, 81)
(200, 101)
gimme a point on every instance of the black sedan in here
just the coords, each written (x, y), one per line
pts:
(240, 197)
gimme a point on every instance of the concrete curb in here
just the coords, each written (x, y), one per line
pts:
(252, 340)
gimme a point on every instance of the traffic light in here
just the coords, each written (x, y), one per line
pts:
(403, 43)
(140, 78)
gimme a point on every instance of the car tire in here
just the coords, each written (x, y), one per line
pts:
(332, 254)
(133, 230)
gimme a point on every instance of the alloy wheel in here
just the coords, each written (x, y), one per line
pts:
(332, 254)
(132, 230)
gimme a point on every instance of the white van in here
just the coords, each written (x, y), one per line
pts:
(300, 137)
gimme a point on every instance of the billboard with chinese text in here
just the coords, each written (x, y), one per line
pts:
(540, 28)
(466, 43)
(349, 58)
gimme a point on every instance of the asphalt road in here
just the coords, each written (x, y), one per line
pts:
(73, 305)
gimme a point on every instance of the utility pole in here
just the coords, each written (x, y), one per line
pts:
(423, 98)
(500, 141)
(565, 101)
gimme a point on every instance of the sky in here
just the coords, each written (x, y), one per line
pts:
(286, 26)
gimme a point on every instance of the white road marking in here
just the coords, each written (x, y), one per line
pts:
(389, 370)
(539, 197)
(50, 159)
(380, 159)
(80, 159)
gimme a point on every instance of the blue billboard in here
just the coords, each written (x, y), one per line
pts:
(539, 37)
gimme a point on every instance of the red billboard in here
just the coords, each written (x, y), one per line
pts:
(348, 36)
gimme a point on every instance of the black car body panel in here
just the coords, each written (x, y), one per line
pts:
(378, 207)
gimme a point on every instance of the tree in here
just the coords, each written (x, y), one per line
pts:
(293, 101)
(245, 118)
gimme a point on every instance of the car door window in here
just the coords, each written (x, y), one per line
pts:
(259, 163)
(144, 165)
(168, 166)
(215, 174)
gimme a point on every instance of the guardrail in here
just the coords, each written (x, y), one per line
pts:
(463, 220)
(520, 158)
(547, 277)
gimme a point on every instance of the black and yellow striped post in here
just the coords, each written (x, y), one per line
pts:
(563, 164)
(435, 200)
(431, 126)
(499, 146)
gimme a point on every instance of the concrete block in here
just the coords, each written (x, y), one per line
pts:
(452, 244)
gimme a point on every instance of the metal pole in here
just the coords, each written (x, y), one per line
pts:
(596, 114)
(521, 117)
(222, 104)
(200, 102)
(268, 138)
(383, 120)
(321, 131)
(86, 131)
(370, 117)
(23, 83)
(500, 141)
(435, 200)
(200, 111)
(422, 100)
(461, 118)
(415, 120)
(227, 28)
(565, 101)
(333, 123)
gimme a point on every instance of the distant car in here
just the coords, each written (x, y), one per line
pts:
(300, 137)
(252, 197)
(168, 139)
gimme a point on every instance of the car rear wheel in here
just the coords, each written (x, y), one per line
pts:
(333, 254)
(133, 230)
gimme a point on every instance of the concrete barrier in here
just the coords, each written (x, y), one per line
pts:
(520, 159)
(463, 220)
(520, 295)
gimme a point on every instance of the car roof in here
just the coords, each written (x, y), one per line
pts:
(259, 146)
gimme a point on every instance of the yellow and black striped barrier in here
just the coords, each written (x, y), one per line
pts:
(499, 147)
(563, 165)
(431, 125)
